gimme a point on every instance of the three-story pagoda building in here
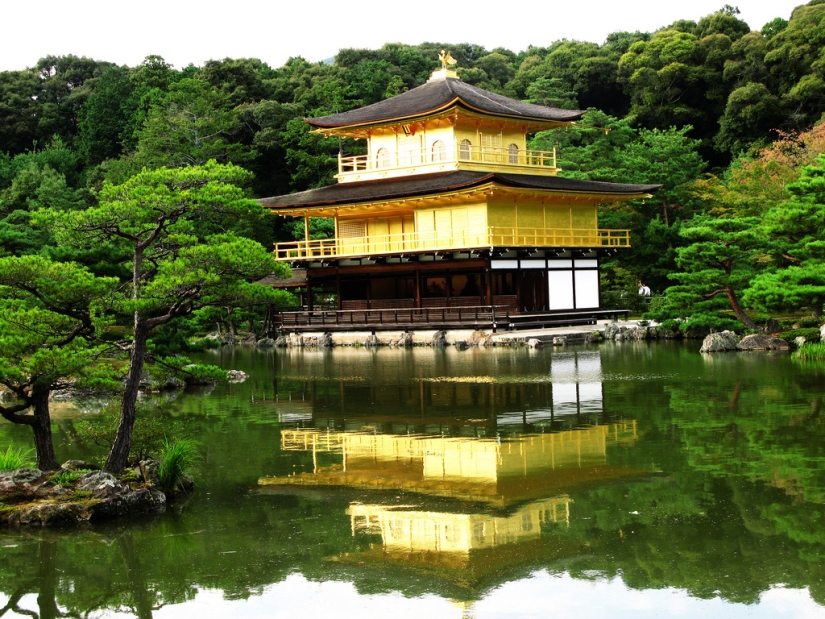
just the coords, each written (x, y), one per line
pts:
(450, 209)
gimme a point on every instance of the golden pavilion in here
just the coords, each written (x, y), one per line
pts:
(449, 218)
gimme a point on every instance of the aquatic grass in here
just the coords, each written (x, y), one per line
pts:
(811, 352)
(15, 458)
(176, 458)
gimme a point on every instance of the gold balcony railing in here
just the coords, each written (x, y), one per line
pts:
(384, 160)
(456, 240)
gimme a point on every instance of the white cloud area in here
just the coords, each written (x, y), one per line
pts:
(540, 595)
(536, 596)
(184, 31)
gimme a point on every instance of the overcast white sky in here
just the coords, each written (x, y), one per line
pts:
(185, 31)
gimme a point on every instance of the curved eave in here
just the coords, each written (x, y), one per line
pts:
(441, 109)
(329, 208)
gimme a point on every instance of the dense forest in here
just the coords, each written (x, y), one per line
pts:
(726, 118)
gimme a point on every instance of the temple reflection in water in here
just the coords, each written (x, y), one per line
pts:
(465, 475)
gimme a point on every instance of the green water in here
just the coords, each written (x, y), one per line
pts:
(630, 480)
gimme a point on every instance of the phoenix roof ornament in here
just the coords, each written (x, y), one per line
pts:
(446, 59)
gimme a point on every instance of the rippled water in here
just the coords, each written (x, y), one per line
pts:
(630, 480)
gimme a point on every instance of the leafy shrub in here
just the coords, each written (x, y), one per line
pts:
(808, 323)
(204, 343)
(152, 425)
(810, 335)
(176, 458)
(15, 458)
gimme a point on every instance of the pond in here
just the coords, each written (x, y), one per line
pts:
(628, 480)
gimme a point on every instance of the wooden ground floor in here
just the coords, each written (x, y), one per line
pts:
(519, 284)
(505, 289)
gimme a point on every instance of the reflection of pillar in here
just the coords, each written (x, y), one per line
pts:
(140, 596)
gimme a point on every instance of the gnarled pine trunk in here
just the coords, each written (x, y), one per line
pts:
(42, 429)
(118, 456)
(738, 310)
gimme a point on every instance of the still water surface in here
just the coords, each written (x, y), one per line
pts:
(630, 480)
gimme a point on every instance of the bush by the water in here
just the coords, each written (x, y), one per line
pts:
(811, 352)
(811, 335)
(177, 457)
(15, 458)
(152, 426)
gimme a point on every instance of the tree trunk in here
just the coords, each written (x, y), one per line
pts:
(817, 310)
(664, 210)
(118, 456)
(42, 429)
(737, 309)
(46, 596)
(141, 600)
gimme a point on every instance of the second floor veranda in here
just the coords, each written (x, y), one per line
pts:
(443, 156)
(454, 240)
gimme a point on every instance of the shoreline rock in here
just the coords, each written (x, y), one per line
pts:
(762, 341)
(723, 341)
(31, 497)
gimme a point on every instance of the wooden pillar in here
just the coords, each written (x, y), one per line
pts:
(488, 278)
(519, 286)
(338, 287)
(417, 286)
(306, 227)
(309, 294)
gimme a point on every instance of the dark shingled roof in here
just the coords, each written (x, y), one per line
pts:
(436, 95)
(424, 184)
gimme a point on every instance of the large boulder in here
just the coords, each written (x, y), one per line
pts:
(480, 338)
(116, 499)
(822, 333)
(102, 485)
(21, 476)
(439, 339)
(762, 341)
(720, 342)
(237, 376)
(50, 515)
(611, 330)
(130, 502)
(79, 465)
(268, 342)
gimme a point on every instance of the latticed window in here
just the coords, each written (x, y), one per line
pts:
(512, 153)
(382, 158)
(352, 229)
(439, 151)
(464, 149)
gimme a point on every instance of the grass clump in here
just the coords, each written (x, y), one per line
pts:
(15, 458)
(176, 458)
(811, 352)
(67, 478)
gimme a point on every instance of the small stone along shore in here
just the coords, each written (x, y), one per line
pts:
(465, 338)
(72, 496)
